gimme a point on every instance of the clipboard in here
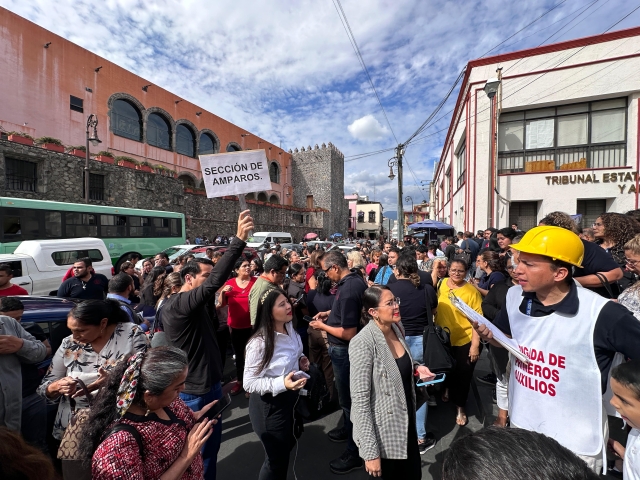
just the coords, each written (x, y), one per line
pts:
(509, 343)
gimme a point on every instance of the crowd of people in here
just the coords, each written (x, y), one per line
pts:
(141, 358)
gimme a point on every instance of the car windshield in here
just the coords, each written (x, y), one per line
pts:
(174, 252)
(256, 239)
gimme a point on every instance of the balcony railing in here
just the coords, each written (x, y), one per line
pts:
(564, 158)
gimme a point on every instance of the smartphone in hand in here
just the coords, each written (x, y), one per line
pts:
(439, 378)
(218, 408)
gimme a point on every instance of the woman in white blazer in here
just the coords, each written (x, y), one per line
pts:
(383, 390)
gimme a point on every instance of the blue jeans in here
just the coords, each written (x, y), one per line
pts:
(211, 448)
(340, 360)
(415, 347)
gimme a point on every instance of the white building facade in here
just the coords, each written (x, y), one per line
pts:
(565, 118)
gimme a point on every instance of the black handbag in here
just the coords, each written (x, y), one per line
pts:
(436, 344)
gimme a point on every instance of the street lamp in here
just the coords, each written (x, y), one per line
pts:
(392, 163)
(92, 136)
(409, 199)
(397, 162)
(491, 88)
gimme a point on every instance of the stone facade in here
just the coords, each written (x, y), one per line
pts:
(60, 179)
(319, 173)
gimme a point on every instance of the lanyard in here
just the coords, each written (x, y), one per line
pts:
(529, 303)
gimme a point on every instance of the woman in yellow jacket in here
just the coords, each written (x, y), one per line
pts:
(465, 342)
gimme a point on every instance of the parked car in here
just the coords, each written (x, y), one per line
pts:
(259, 238)
(344, 248)
(321, 244)
(173, 253)
(200, 252)
(39, 265)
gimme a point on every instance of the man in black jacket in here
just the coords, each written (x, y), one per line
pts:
(188, 325)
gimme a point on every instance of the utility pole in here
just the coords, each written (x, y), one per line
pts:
(399, 154)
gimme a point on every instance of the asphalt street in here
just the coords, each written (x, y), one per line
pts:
(241, 453)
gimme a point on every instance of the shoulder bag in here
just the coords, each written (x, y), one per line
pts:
(71, 438)
(436, 344)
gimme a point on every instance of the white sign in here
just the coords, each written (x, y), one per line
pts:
(235, 173)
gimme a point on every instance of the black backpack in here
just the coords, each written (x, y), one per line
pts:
(314, 396)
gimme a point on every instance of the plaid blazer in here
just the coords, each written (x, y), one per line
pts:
(379, 409)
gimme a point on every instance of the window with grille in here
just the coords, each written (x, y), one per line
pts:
(96, 187)
(185, 141)
(360, 217)
(158, 131)
(590, 211)
(20, 175)
(525, 214)
(567, 137)
(372, 217)
(461, 164)
(76, 104)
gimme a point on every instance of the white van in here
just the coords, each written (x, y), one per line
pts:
(258, 238)
(39, 265)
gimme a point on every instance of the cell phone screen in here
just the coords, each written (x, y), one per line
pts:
(439, 378)
(307, 318)
(218, 408)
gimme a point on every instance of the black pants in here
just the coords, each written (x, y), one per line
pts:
(222, 337)
(409, 468)
(239, 339)
(459, 381)
(272, 418)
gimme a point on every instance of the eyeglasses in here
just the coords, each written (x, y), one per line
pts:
(391, 303)
(632, 263)
(326, 270)
(597, 225)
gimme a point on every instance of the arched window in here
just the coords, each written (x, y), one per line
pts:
(274, 199)
(158, 131)
(232, 148)
(126, 120)
(207, 144)
(187, 181)
(185, 141)
(262, 197)
(274, 172)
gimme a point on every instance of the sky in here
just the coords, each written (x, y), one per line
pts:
(286, 70)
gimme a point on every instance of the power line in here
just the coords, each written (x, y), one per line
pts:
(354, 44)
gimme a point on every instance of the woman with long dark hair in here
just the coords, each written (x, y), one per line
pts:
(294, 289)
(235, 294)
(612, 232)
(417, 304)
(274, 354)
(493, 266)
(102, 334)
(382, 381)
(151, 290)
(257, 267)
(139, 427)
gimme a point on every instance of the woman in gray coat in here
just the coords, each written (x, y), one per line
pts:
(382, 390)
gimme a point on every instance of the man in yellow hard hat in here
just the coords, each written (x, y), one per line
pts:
(570, 336)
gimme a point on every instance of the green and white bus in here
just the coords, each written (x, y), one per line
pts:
(123, 230)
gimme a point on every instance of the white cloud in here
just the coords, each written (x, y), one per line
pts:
(368, 128)
(286, 71)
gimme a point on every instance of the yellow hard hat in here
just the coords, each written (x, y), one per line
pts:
(555, 242)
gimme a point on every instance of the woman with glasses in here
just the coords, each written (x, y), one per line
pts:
(383, 399)
(499, 357)
(235, 294)
(465, 342)
(418, 302)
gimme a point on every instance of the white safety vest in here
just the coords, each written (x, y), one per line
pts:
(558, 393)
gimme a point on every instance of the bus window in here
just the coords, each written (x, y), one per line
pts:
(29, 224)
(69, 257)
(161, 227)
(113, 226)
(11, 228)
(80, 225)
(139, 227)
(175, 227)
(53, 224)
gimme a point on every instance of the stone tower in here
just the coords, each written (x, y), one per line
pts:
(318, 177)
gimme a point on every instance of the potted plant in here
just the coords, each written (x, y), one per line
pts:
(105, 157)
(145, 167)
(20, 137)
(188, 190)
(50, 143)
(126, 162)
(200, 191)
(160, 169)
(79, 151)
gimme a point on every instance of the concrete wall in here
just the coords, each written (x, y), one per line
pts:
(60, 176)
